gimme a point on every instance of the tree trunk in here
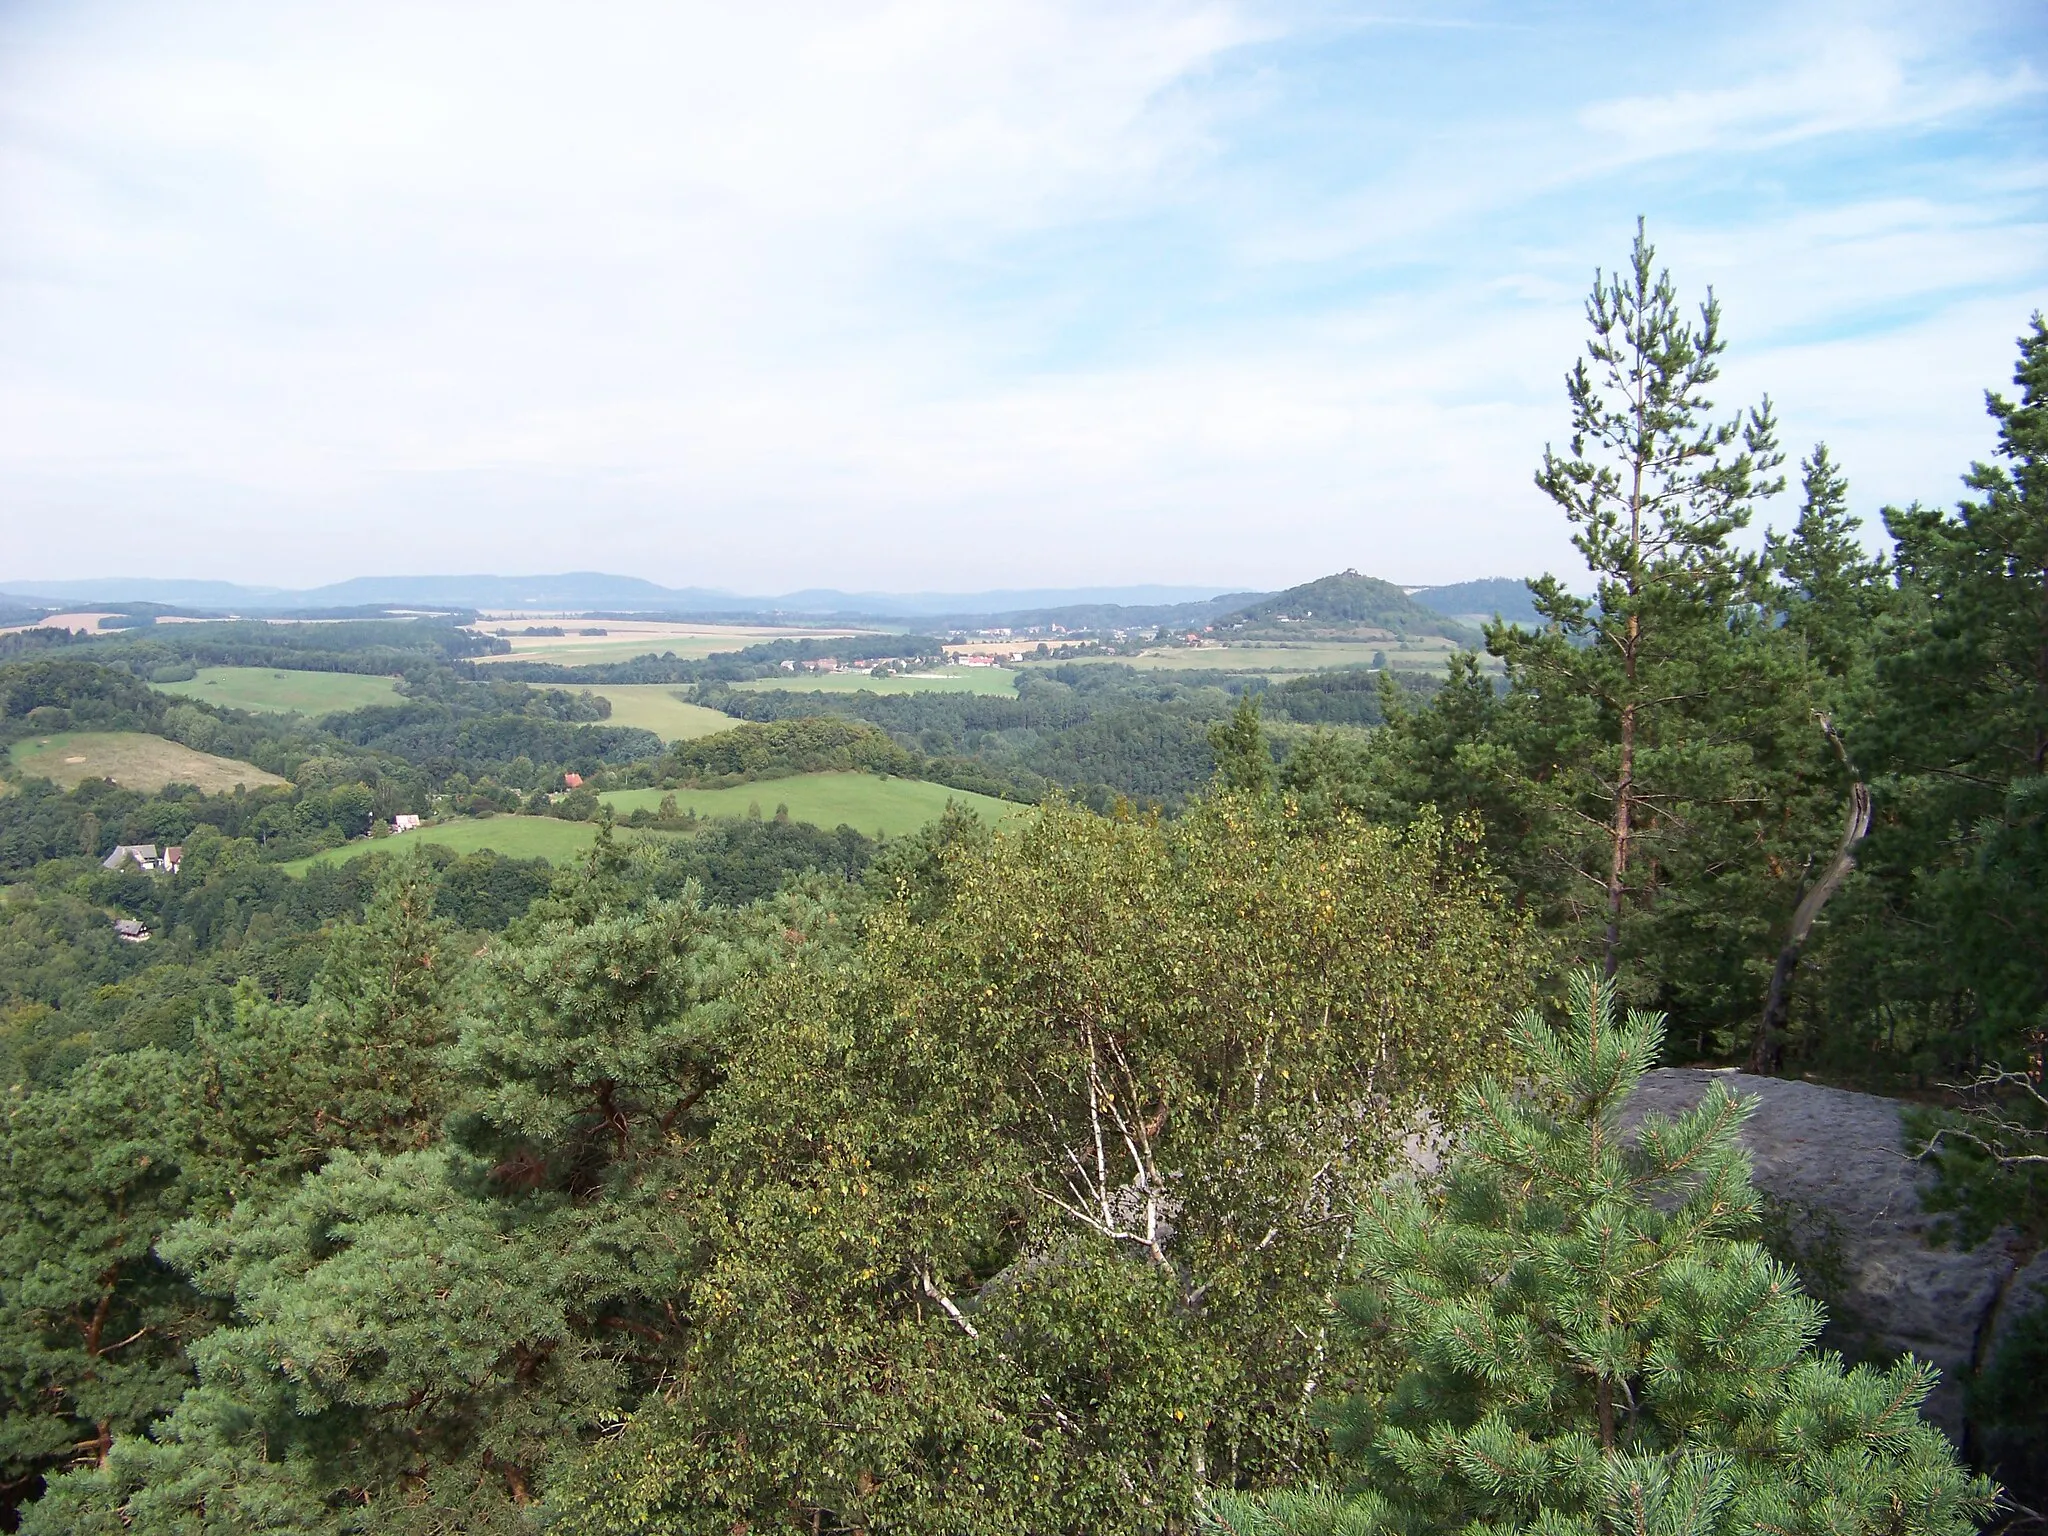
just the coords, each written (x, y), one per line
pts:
(1624, 827)
(1768, 1053)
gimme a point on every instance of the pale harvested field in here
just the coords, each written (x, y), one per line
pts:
(1000, 681)
(132, 760)
(87, 622)
(625, 639)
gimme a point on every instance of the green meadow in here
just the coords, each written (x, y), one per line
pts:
(516, 837)
(265, 690)
(660, 708)
(132, 760)
(949, 679)
(867, 802)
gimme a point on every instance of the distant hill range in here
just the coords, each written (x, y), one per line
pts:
(588, 592)
(1348, 601)
(1499, 597)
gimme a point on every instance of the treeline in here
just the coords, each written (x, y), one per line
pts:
(766, 659)
(1095, 732)
(805, 743)
(380, 647)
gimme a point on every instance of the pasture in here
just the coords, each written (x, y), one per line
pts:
(949, 679)
(660, 708)
(132, 760)
(516, 837)
(267, 691)
(867, 802)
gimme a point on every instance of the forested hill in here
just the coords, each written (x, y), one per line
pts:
(1345, 601)
(1497, 597)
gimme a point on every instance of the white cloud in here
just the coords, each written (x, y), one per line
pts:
(736, 295)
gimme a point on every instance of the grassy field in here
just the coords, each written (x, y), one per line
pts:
(989, 680)
(656, 707)
(264, 691)
(132, 760)
(866, 802)
(516, 837)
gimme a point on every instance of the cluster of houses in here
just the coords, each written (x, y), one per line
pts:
(834, 664)
(145, 857)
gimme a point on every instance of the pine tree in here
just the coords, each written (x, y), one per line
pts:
(1593, 1345)
(1830, 593)
(1831, 588)
(1654, 490)
(1963, 725)
(1242, 759)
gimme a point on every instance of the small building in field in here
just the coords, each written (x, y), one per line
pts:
(130, 931)
(572, 781)
(141, 855)
(404, 822)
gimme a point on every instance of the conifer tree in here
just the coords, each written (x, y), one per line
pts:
(1653, 489)
(1963, 727)
(1593, 1345)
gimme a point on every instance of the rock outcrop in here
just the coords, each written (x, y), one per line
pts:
(1843, 1199)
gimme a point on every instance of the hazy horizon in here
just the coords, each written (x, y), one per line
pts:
(900, 298)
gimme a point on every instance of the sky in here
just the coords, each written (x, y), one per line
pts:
(960, 295)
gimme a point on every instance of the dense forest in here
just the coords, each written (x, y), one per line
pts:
(1230, 1144)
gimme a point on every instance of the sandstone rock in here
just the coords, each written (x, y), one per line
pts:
(1846, 1194)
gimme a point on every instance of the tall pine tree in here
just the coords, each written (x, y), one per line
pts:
(1653, 488)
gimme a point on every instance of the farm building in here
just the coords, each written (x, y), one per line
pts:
(404, 822)
(572, 781)
(130, 931)
(142, 855)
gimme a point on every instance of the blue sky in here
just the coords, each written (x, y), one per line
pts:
(954, 295)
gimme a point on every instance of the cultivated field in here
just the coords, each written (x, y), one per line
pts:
(132, 760)
(866, 802)
(624, 639)
(516, 837)
(660, 708)
(264, 690)
(987, 680)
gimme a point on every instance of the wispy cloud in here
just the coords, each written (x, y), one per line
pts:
(931, 294)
